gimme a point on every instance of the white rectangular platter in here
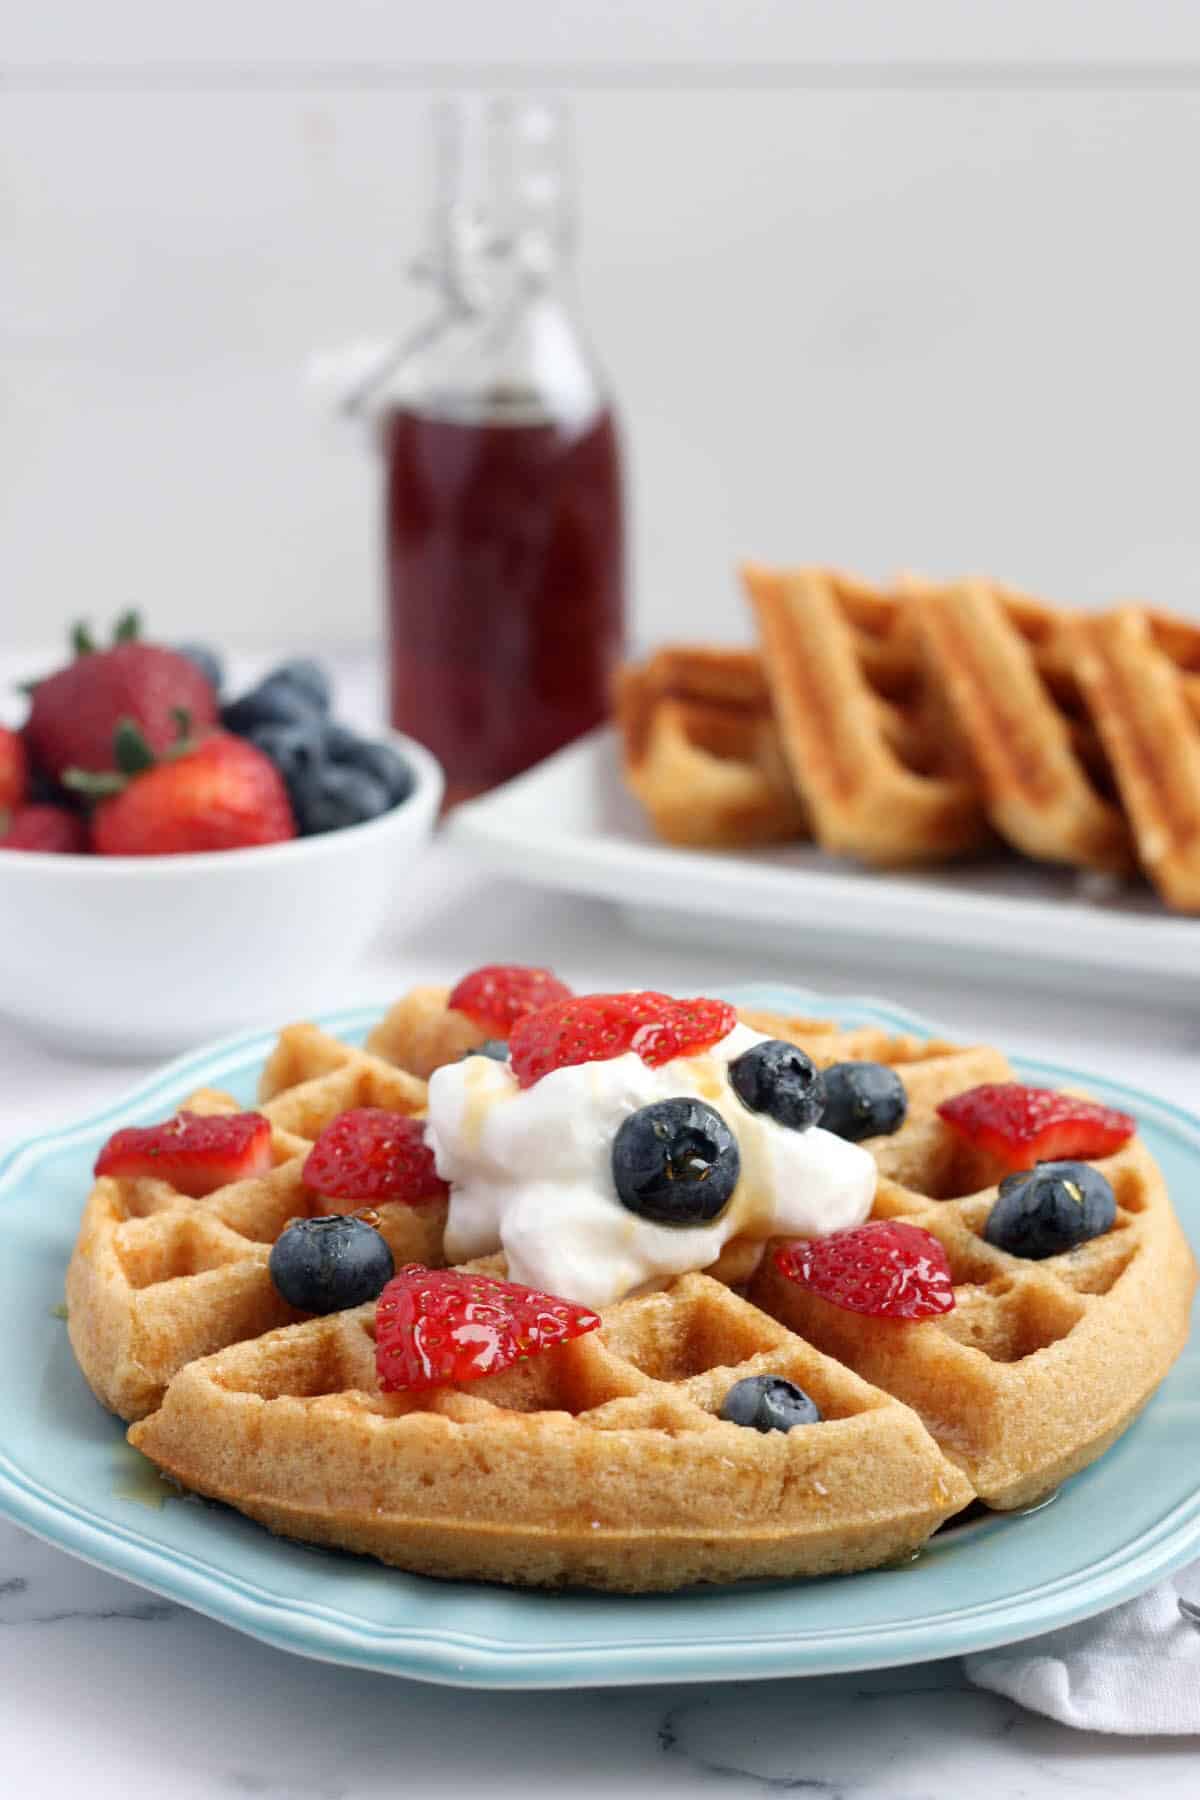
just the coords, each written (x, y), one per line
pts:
(569, 823)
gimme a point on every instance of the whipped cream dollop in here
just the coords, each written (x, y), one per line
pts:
(530, 1171)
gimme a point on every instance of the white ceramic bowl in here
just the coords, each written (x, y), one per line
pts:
(147, 955)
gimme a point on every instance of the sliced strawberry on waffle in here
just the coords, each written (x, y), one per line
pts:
(1023, 1126)
(888, 1269)
(195, 1152)
(436, 1327)
(596, 1027)
(499, 994)
(370, 1154)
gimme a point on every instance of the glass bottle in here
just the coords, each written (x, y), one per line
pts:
(502, 496)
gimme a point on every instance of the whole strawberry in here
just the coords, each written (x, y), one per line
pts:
(219, 794)
(14, 771)
(51, 829)
(75, 711)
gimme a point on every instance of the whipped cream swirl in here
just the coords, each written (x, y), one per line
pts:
(530, 1171)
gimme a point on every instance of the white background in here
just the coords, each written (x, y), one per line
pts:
(883, 285)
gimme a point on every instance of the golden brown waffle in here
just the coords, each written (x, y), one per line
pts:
(600, 1463)
(701, 751)
(422, 1031)
(1008, 665)
(603, 1462)
(158, 1279)
(925, 1064)
(1140, 673)
(1041, 1365)
(867, 737)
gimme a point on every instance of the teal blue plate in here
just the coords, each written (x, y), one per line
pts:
(67, 1475)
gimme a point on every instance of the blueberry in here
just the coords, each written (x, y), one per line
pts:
(1044, 1211)
(778, 1079)
(272, 702)
(294, 749)
(332, 795)
(207, 661)
(862, 1100)
(675, 1162)
(327, 1264)
(307, 678)
(496, 1048)
(378, 760)
(340, 741)
(769, 1403)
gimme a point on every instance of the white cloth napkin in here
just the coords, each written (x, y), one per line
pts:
(1135, 1669)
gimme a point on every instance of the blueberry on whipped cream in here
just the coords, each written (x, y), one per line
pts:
(531, 1170)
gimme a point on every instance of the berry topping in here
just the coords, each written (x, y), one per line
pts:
(769, 1403)
(1051, 1209)
(14, 772)
(1026, 1125)
(325, 1265)
(47, 828)
(598, 1026)
(888, 1269)
(862, 1100)
(778, 1079)
(496, 996)
(438, 1326)
(675, 1162)
(195, 1152)
(75, 712)
(370, 1154)
(221, 794)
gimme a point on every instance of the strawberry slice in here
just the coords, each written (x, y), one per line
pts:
(374, 1155)
(195, 1152)
(499, 994)
(887, 1269)
(1023, 1126)
(434, 1327)
(599, 1026)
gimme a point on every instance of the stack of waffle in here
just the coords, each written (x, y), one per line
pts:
(916, 725)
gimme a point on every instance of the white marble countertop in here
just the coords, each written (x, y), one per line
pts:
(106, 1690)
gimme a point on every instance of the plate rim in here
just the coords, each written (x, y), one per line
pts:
(454, 1656)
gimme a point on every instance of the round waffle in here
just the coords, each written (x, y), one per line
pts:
(603, 1462)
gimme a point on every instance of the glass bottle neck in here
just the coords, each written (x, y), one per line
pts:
(504, 222)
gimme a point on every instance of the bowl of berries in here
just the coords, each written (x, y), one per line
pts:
(172, 864)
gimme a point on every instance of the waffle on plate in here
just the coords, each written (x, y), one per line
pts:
(703, 752)
(604, 1461)
(918, 723)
